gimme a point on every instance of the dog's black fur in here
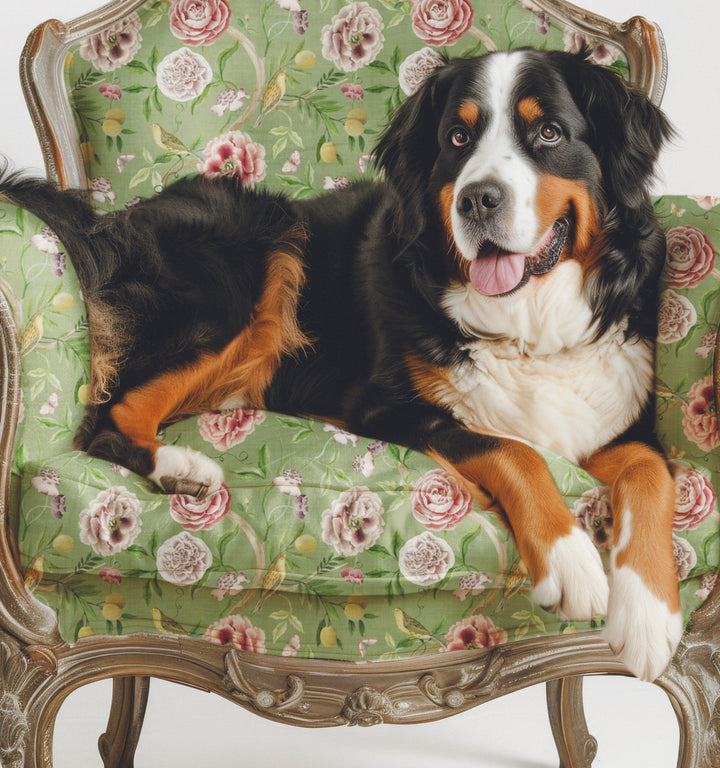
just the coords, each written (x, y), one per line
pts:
(175, 279)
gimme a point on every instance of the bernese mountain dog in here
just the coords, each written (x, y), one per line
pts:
(497, 289)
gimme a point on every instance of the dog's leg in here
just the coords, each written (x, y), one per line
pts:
(563, 563)
(138, 416)
(644, 623)
(241, 370)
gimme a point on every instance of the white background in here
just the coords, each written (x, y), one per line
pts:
(633, 721)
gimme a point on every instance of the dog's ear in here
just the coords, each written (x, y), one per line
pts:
(626, 132)
(408, 147)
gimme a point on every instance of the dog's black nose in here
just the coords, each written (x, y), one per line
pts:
(482, 199)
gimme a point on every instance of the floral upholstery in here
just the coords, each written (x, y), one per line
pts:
(322, 543)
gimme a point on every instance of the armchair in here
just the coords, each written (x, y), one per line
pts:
(249, 594)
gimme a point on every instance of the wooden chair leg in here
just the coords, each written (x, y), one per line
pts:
(119, 742)
(576, 747)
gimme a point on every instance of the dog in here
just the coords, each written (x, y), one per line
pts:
(496, 289)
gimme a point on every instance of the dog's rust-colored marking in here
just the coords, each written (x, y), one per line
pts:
(457, 266)
(529, 109)
(243, 369)
(518, 480)
(557, 197)
(469, 113)
(642, 498)
(427, 379)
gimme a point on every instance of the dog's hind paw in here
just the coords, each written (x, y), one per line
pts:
(641, 629)
(185, 471)
(576, 586)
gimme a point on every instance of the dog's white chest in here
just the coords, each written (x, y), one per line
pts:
(572, 402)
(559, 388)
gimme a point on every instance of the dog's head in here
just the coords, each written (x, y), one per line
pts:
(524, 159)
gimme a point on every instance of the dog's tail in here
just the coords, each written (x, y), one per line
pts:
(68, 214)
(80, 229)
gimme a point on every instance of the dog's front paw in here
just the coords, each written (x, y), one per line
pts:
(185, 471)
(575, 586)
(640, 628)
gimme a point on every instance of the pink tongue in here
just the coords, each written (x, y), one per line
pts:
(498, 273)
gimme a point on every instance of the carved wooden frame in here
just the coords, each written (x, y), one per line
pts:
(38, 670)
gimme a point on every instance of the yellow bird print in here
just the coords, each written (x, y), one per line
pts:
(273, 95)
(412, 627)
(34, 572)
(32, 334)
(166, 625)
(515, 581)
(168, 141)
(273, 579)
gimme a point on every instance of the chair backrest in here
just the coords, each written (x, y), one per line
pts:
(288, 92)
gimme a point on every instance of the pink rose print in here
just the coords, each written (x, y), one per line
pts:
(237, 631)
(225, 429)
(474, 632)
(700, 421)
(441, 22)
(592, 511)
(199, 22)
(694, 500)
(425, 559)
(111, 522)
(354, 37)
(234, 154)
(230, 100)
(707, 345)
(690, 257)
(110, 91)
(685, 557)
(353, 91)
(183, 75)
(196, 515)
(354, 522)
(353, 575)
(471, 585)
(439, 501)
(114, 47)
(416, 69)
(183, 559)
(231, 584)
(676, 317)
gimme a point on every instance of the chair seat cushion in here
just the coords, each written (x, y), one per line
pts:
(321, 543)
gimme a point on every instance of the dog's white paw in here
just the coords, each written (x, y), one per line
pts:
(576, 586)
(185, 471)
(640, 628)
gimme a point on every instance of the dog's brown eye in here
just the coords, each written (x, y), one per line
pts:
(550, 133)
(460, 137)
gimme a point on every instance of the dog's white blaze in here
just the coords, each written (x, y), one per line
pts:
(640, 628)
(536, 373)
(497, 156)
(576, 585)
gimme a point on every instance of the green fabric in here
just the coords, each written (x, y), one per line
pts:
(262, 565)
(309, 117)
